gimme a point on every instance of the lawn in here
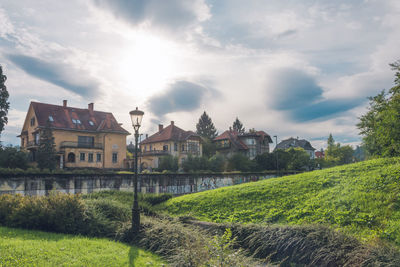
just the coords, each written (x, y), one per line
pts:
(34, 248)
(361, 198)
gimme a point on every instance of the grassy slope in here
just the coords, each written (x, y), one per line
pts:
(23, 247)
(363, 198)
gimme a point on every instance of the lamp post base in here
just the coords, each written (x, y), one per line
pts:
(135, 220)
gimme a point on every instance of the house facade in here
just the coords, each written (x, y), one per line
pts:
(251, 144)
(296, 142)
(84, 138)
(170, 140)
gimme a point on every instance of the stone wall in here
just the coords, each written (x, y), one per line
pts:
(177, 184)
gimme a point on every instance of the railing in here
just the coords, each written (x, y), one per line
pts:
(192, 152)
(81, 145)
(154, 152)
(32, 144)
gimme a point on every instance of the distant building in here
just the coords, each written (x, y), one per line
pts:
(83, 137)
(320, 154)
(251, 144)
(170, 140)
(295, 142)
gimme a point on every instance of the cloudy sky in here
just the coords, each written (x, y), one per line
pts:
(290, 68)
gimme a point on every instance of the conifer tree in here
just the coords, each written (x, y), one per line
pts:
(205, 127)
(238, 126)
(46, 155)
(4, 104)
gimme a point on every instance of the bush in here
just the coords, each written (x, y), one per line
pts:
(168, 163)
(13, 157)
(239, 162)
(217, 163)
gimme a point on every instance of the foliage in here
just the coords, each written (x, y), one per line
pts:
(4, 104)
(35, 248)
(336, 154)
(192, 164)
(205, 127)
(265, 161)
(13, 157)
(238, 126)
(209, 147)
(46, 154)
(239, 162)
(217, 163)
(169, 163)
(299, 159)
(380, 126)
(361, 198)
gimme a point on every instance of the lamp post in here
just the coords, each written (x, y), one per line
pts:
(136, 117)
(276, 155)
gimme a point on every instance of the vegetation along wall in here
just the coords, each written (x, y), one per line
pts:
(42, 184)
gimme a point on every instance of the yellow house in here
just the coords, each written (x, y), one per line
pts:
(170, 140)
(84, 138)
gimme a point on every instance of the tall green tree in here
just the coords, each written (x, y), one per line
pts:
(205, 127)
(46, 155)
(4, 104)
(380, 126)
(238, 126)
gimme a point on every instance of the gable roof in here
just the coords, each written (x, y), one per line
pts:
(170, 133)
(235, 137)
(66, 118)
(294, 142)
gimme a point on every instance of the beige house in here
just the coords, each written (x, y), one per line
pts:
(170, 140)
(84, 138)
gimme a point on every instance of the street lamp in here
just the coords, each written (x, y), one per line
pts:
(276, 154)
(136, 117)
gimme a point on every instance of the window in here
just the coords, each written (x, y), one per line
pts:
(183, 147)
(37, 138)
(98, 157)
(82, 157)
(33, 121)
(90, 157)
(71, 157)
(51, 118)
(114, 157)
(78, 121)
(74, 121)
(165, 148)
(193, 147)
(151, 147)
(85, 141)
(145, 148)
(175, 146)
(91, 123)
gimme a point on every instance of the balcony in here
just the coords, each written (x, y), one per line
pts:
(70, 144)
(32, 144)
(154, 153)
(192, 152)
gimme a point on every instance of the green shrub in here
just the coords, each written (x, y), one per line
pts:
(13, 157)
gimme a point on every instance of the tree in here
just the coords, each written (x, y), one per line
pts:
(4, 104)
(380, 126)
(239, 162)
(238, 126)
(265, 161)
(205, 127)
(169, 163)
(13, 157)
(46, 155)
(299, 159)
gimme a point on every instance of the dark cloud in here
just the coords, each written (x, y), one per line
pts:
(297, 93)
(59, 74)
(170, 14)
(179, 96)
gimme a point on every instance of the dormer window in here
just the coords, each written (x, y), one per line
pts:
(74, 121)
(91, 123)
(51, 118)
(78, 121)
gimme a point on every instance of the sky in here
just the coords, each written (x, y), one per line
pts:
(291, 68)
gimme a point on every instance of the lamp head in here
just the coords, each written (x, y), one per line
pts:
(136, 118)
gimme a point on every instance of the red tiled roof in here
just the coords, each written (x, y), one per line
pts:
(170, 133)
(233, 137)
(63, 116)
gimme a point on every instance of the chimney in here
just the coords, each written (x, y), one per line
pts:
(160, 127)
(147, 136)
(64, 103)
(172, 122)
(90, 106)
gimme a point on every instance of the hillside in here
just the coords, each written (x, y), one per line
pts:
(35, 248)
(361, 198)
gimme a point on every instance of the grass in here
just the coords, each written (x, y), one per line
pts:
(361, 198)
(34, 248)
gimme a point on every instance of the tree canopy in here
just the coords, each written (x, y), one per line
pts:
(4, 104)
(205, 127)
(238, 126)
(380, 126)
(46, 156)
